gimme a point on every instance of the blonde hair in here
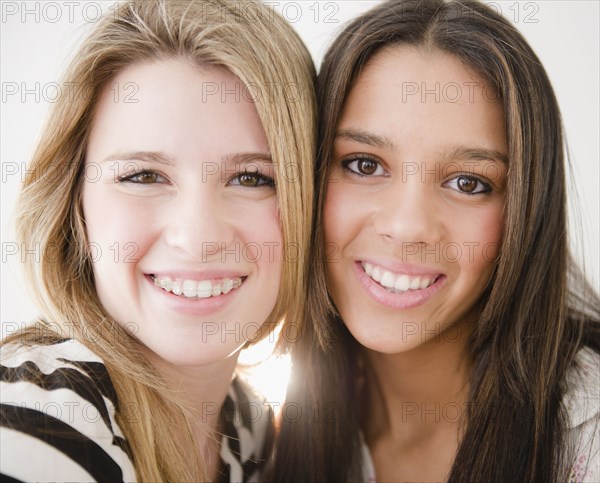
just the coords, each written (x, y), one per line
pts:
(254, 43)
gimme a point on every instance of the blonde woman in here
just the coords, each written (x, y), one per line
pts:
(168, 228)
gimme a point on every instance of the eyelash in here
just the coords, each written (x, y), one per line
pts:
(263, 181)
(486, 186)
(361, 157)
(357, 158)
(131, 178)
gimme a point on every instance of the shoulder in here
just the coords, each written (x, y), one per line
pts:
(582, 404)
(58, 408)
(249, 432)
(255, 413)
(368, 467)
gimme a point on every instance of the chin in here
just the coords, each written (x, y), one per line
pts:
(189, 354)
(384, 342)
(389, 347)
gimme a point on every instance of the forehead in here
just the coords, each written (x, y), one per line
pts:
(416, 75)
(421, 62)
(176, 107)
(425, 98)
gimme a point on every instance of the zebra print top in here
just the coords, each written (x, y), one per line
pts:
(57, 420)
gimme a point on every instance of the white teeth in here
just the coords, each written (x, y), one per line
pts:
(166, 283)
(397, 283)
(227, 285)
(189, 288)
(415, 283)
(376, 275)
(204, 289)
(198, 289)
(388, 279)
(402, 283)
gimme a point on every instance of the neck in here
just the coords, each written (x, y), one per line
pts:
(422, 392)
(202, 389)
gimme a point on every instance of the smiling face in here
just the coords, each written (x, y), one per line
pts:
(181, 211)
(414, 202)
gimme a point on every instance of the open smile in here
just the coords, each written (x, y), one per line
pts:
(200, 289)
(397, 283)
(397, 290)
(196, 297)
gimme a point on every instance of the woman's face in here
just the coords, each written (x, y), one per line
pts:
(181, 210)
(413, 211)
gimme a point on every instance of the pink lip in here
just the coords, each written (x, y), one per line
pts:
(195, 306)
(407, 300)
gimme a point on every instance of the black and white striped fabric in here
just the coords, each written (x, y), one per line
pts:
(57, 420)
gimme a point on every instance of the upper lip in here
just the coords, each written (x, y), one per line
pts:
(401, 268)
(211, 274)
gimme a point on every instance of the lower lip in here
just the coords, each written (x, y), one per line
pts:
(406, 300)
(194, 306)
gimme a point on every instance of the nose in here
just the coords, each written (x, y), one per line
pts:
(199, 225)
(407, 213)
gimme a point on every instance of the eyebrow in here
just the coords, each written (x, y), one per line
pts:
(462, 152)
(162, 158)
(247, 158)
(365, 137)
(151, 156)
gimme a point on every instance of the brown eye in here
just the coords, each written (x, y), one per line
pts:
(367, 166)
(146, 178)
(364, 166)
(143, 177)
(468, 185)
(249, 180)
(252, 180)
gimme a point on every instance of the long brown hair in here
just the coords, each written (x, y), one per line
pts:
(539, 310)
(257, 45)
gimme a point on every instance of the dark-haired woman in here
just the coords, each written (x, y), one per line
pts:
(450, 335)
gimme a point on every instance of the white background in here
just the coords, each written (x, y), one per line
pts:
(38, 38)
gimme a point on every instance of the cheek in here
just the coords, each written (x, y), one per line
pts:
(337, 217)
(480, 238)
(117, 230)
(260, 230)
(491, 230)
(263, 222)
(345, 221)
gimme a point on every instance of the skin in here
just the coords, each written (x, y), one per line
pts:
(196, 216)
(429, 201)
